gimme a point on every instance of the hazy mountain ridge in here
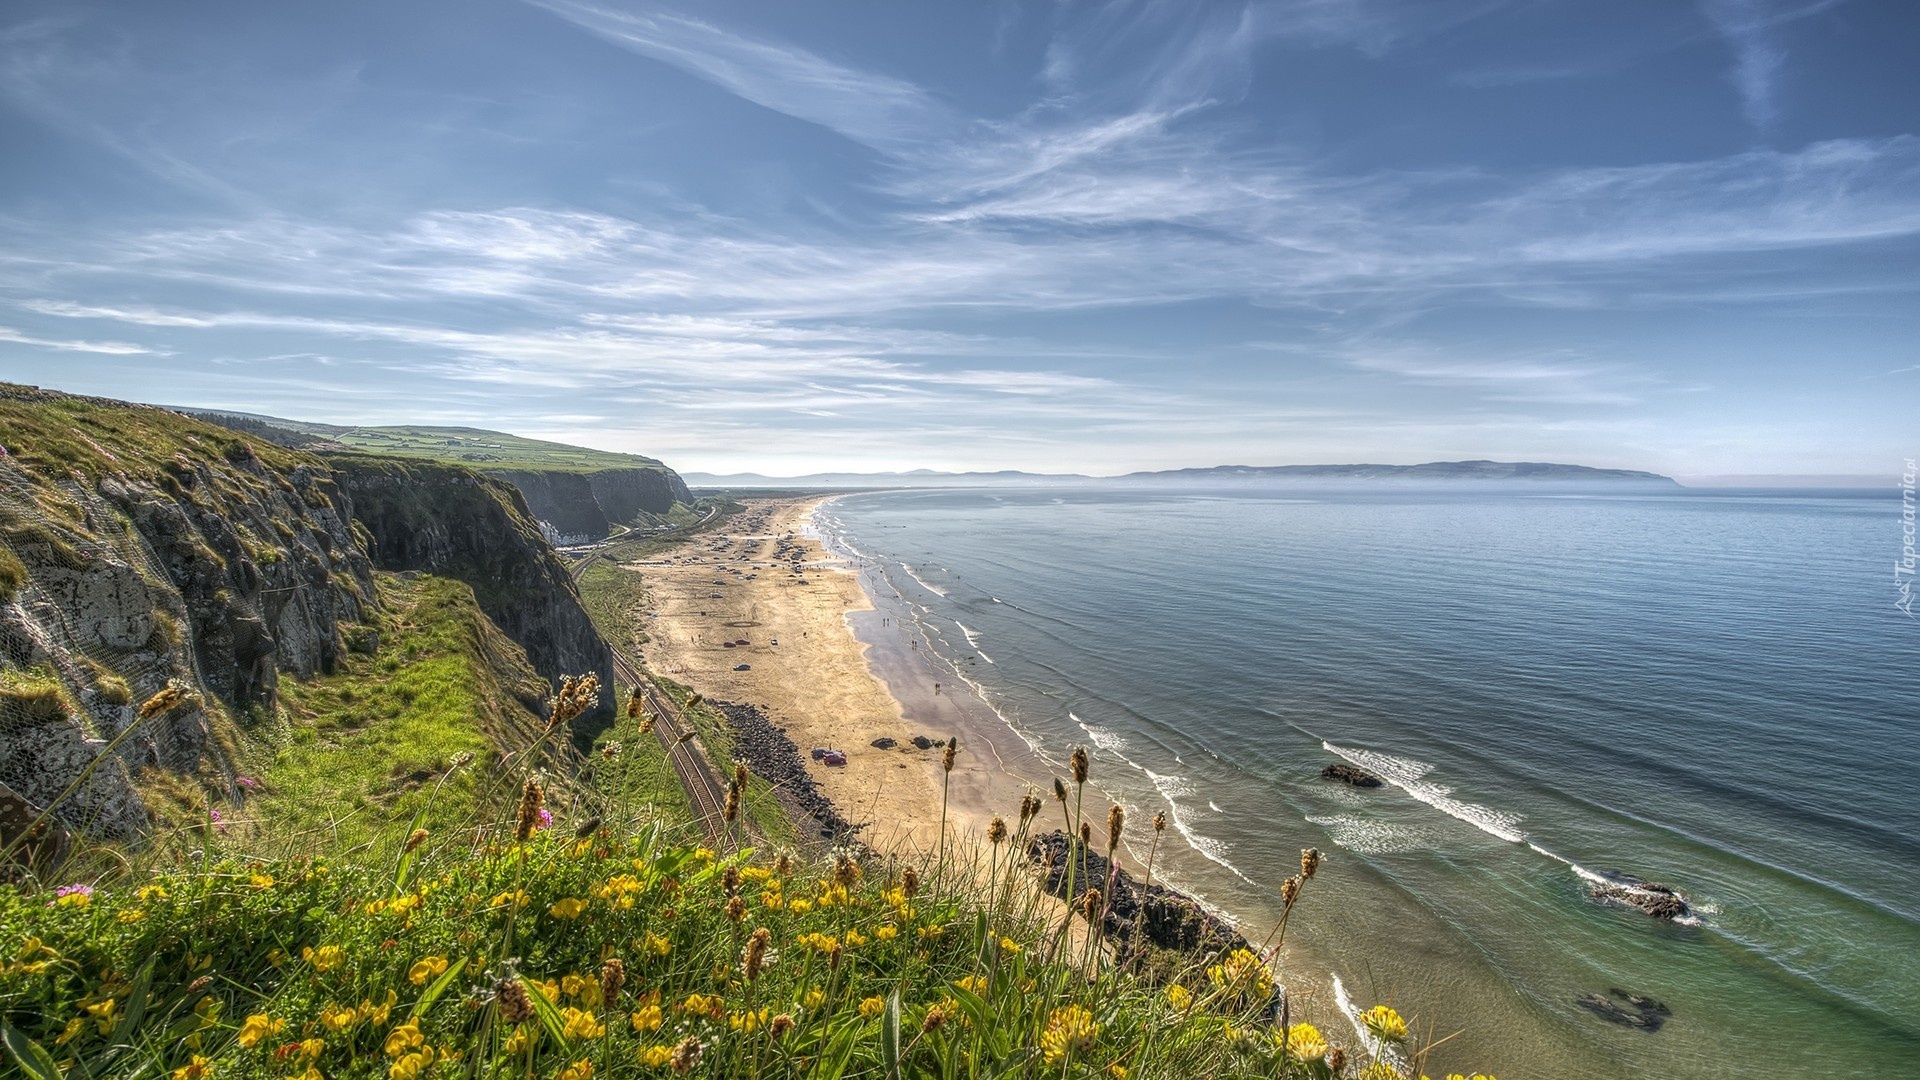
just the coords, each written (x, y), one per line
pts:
(1476, 471)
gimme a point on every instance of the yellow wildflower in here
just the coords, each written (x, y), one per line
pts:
(256, 1028)
(1009, 946)
(261, 881)
(132, 915)
(814, 999)
(748, 1021)
(403, 1039)
(580, 1024)
(311, 1048)
(516, 1042)
(1179, 997)
(325, 958)
(579, 1070)
(338, 1018)
(1070, 1031)
(570, 908)
(658, 945)
(855, 937)
(103, 1014)
(799, 906)
(887, 932)
(311, 1072)
(1303, 1041)
(973, 984)
(1242, 975)
(196, 1068)
(647, 1018)
(1117, 1071)
(1380, 1070)
(656, 1057)
(1384, 1022)
(427, 968)
(872, 1007)
(71, 1032)
(411, 1066)
(150, 892)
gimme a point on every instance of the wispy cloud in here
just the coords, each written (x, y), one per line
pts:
(1749, 27)
(104, 348)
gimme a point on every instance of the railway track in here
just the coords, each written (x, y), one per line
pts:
(678, 737)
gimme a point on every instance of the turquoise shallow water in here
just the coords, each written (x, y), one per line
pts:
(1712, 690)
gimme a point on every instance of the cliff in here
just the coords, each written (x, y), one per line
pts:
(160, 575)
(167, 568)
(589, 504)
(451, 521)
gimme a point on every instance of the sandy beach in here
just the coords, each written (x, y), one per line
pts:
(763, 581)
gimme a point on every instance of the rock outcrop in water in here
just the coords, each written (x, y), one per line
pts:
(1646, 897)
(1350, 774)
(1617, 1006)
(1138, 915)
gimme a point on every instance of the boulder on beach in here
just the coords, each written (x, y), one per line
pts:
(923, 742)
(1350, 774)
(884, 742)
(1618, 1006)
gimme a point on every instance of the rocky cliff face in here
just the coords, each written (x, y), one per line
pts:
(589, 504)
(158, 575)
(451, 521)
(170, 569)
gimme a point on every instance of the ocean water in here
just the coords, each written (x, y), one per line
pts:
(1710, 690)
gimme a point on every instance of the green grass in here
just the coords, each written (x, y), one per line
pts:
(377, 742)
(616, 600)
(483, 449)
(13, 574)
(759, 805)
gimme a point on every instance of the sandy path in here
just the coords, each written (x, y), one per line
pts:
(740, 584)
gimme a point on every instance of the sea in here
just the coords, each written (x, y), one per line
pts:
(1708, 689)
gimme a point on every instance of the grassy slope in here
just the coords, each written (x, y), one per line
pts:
(484, 449)
(368, 747)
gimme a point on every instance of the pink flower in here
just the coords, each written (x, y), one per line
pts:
(546, 817)
(245, 782)
(69, 890)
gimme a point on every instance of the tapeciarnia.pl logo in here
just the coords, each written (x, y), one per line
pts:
(1904, 567)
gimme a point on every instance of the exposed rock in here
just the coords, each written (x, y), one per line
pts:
(1617, 1006)
(589, 504)
(1137, 915)
(449, 520)
(1350, 774)
(1647, 897)
(924, 743)
(884, 742)
(774, 757)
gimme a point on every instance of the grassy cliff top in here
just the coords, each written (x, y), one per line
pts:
(478, 448)
(55, 434)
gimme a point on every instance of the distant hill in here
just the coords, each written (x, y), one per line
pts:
(1522, 472)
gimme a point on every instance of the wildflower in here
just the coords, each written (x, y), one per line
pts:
(518, 1041)
(686, 1056)
(325, 958)
(1476, 1076)
(613, 975)
(246, 782)
(257, 1028)
(73, 895)
(653, 1057)
(580, 1024)
(1079, 763)
(1337, 1058)
(103, 1014)
(132, 915)
(1091, 904)
(1116, 1071)
(337, 1018)
(403, 1039)
(799, 905)
(781, 1025)
(1070, 1031)
(909, 883)
(814, 999)
(1385, 1023)
(872, 1007)
(736, 909)
(569, 908)
(531, 798)
(952, 751)
(1380, 1070)
(756, 952)
(1305, 1042)
(310, 1048)
(428, 968)
(196, 1068)
(411, 1066)
(658, 945)
(416, 838)
(515, 1005)
(1179, 997)
(1029, 807)
(1159, 821)
(1290, 891)
(855, 937)
(1309, 862)
(1243, 975)
(1116, 821)
(732, 810)
(647, 1018)
(146, 893)
(517, 899)
(1009, 946)
(748, 1021)
(886, 933)
(996, 832)
(260, 881)
(936, 1017)
(579, 1070)
(973, 984)
(1059, 791)
(577, 694)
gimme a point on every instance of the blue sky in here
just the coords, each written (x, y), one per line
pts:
(802, 235)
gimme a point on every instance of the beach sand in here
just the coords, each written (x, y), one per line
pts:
(820, 681)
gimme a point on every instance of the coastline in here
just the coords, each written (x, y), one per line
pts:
(831, 680)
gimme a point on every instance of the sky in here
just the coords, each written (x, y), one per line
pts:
(798, 236)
